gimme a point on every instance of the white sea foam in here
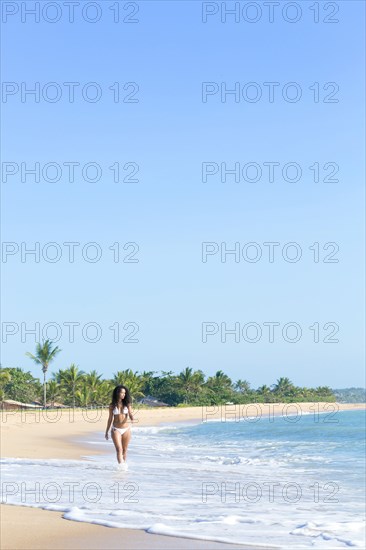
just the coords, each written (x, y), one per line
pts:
(153, 429)
(208, 482)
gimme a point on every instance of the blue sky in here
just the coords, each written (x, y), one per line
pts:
(169, 212)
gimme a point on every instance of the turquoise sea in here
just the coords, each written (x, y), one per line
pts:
(286, 482)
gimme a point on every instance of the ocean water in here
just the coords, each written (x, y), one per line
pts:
(285, 482)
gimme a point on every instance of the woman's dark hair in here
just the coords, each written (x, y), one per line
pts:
(115, 396)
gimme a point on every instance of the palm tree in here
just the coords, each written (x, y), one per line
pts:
(283, 387)
(265, 392)
(303, 393)
(190, 382)
(167, 373)
(92, 380)
(57, 376)
(242, 386)
(44, 356)
(71, 379)
(220, 381)
(219, 388)
(54, 391)
(148, 381)
(102, 395)
(131, 380)
(83, 395)
(325, 392)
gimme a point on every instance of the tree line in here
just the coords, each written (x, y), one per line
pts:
(76, 388)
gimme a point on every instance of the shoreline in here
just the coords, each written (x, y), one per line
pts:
(49, 434)
(41, 526)
(61, 433)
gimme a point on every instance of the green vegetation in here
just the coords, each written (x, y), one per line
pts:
(19, 385)
(74, 388)
(44, 356)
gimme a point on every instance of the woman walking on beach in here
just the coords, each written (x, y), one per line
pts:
(119, 411)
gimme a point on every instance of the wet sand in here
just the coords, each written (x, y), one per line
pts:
(62, 434)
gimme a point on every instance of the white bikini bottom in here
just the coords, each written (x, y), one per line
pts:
(121, 430)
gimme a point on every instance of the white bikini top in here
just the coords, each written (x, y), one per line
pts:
(116, 410)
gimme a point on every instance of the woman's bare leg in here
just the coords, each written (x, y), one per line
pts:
(117, 440)
(125, 441)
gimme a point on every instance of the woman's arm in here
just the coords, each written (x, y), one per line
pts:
(110, 418)
(130, 413)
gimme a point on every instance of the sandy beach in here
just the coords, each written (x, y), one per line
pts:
(62, 434)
